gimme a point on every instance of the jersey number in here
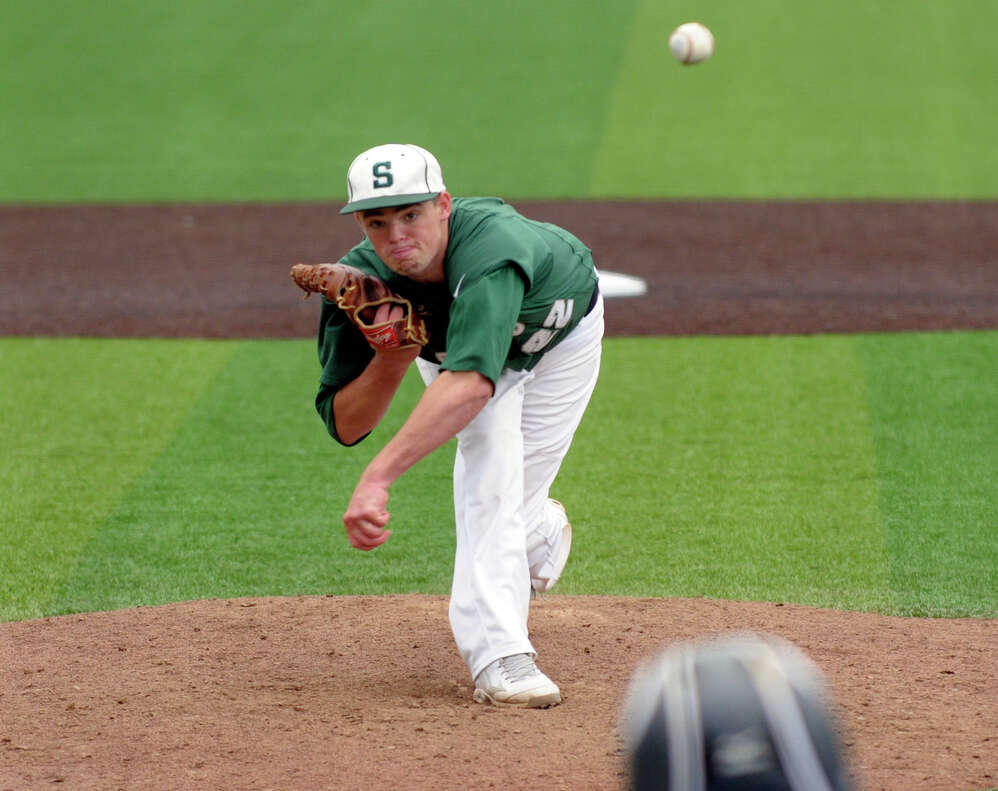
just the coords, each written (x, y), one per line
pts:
(383, 175)
(558, 318)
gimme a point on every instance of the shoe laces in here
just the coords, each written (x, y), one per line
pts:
(518, 667)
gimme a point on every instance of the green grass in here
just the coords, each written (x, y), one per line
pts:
(749, 468)
(832, 470)
(247, 500)
(81, 422)
(847, 471)
(213, 100)
(822, 99)
(935, 427)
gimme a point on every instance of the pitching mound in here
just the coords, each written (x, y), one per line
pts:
(368, 693)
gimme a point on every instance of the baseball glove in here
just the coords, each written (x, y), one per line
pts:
(386, 319)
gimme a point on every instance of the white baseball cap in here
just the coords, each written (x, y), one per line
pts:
(394, 174)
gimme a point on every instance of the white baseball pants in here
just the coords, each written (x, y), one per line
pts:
(507, 458)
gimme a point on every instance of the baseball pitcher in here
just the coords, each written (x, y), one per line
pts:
(504, 320)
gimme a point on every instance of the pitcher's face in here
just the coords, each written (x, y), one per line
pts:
(411, 240)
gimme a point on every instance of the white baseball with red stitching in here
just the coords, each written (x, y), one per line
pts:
(691, 42)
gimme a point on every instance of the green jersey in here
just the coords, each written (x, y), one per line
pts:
(514, 289)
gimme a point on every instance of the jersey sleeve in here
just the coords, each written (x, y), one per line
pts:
(482, 322)
(343, 354)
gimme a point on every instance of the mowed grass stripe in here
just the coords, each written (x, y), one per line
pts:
(744, 468)
(81, 421)
(785, 109)
(248, 499)
(188, 101)
(934, 401)
(734, 468)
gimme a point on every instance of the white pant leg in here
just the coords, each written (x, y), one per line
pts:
(555, 402)
(490, 592)
(507, 458)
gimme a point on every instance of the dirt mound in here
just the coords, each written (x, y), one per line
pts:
(368, 692)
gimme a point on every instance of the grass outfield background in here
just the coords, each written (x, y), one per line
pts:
(225, 100)
(846, 471)
(853, 471)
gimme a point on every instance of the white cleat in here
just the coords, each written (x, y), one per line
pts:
(516, 681)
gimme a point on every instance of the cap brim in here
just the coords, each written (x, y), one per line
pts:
(386, 201)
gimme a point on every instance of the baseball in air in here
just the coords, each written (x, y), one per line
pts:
(691, 43)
